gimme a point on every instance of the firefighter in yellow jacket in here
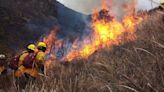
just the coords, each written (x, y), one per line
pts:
(26, 64)
(40, 57)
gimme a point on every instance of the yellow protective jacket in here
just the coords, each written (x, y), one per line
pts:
(22, 70)
(40, 62)
(40, 57)
(21, 58)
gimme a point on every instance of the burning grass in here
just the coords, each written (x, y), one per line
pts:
(135, 66)
(105, 32)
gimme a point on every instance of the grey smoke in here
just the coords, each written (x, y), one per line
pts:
(87, 6)
(84, 6)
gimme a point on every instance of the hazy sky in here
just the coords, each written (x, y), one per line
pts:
(86, 6)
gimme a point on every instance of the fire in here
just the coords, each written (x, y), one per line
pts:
(52, 41)
(107, 31)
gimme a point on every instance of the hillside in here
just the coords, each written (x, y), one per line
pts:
(23, 22)
(15, 15)
(70, 21)
(133, 67)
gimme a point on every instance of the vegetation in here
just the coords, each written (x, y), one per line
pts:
(14, 17)
(133, 67)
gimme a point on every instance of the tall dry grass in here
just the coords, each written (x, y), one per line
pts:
(133, 67)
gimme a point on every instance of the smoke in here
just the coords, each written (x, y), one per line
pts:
(84, 6)
(147, 4)
(123, 7)
(87, 6)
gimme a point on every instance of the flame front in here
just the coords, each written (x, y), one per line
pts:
(106, 33)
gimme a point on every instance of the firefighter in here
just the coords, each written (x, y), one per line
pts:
(26, 63)
(2, 64)
(40, 57)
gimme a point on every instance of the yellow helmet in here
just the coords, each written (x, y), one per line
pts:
(42, 44)
(31, 47)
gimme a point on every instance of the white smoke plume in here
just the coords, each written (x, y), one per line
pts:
(87, 6)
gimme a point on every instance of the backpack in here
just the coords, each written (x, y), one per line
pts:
(28, 62)
(13, 63)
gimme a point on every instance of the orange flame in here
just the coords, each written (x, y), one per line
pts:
(106, 34)
(104, 4)
(51, 40)
(107, 31)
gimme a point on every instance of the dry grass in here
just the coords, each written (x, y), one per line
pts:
(133, 67)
